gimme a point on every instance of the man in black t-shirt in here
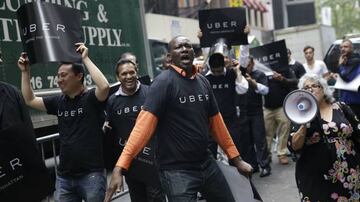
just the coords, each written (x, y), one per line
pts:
(122, 110)
(296, 66)
(258, 86)
(181, 107)
(280, 84)
(81, 171)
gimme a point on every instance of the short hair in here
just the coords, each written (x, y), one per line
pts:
(172, 41)
(77, 68)
(309, 47)
(346, 40)
(126, 54)
(123, 61)
(328, 93)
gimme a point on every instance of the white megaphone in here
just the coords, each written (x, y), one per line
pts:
(300, 106)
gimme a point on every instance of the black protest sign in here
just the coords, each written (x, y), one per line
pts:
(272, 55)
(49, 32)
(23, 175)
(228, 23)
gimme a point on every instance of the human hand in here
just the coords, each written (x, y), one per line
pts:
(243, 167)
(343, 59)
(199, 34)
(247, 29)
(23, 62)
(82, 49)
(277, 76)
(116, 184)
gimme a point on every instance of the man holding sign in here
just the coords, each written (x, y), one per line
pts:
(79, 110)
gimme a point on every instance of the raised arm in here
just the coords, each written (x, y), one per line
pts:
(26, 90)
(102, 85)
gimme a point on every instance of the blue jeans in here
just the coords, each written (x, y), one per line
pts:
(90, 188)
(183, 185)
(142, 192)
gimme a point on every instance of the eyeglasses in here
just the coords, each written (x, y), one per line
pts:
(312, 87)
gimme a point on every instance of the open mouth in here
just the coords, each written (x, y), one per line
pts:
(185, 59)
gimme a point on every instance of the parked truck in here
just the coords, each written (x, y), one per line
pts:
(110, 28)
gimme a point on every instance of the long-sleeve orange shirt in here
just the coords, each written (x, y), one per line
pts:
(146, 125)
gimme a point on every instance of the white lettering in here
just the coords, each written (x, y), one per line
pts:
(102, 35)
(11, 7)
(122, 142)
(1, 172)
(233, 24)
(2, 6)
(182, 101)
(60, 27)
(45, 27)
(117, 34)
(217, 25)
(192, 98)
(5, 26)
(146, 150)
(126, 110)
(86, 13)
(225, 24)
(92, 35)
(15, 162)
(80, 111)
(135, 108)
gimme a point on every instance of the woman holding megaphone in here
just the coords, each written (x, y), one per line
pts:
(328, 168)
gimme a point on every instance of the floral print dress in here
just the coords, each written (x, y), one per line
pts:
(328, 167)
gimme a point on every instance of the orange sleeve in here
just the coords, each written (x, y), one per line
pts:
(222, 136)
(142, 132)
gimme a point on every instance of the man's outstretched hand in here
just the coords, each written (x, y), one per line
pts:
(116, 184)
(243, 167)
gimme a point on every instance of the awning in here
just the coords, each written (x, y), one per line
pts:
(256, 5)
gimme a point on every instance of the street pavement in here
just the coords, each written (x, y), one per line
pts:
(280, 186)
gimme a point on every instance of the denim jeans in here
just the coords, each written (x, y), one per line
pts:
(90, 188)
(183, 185)
(141, 192)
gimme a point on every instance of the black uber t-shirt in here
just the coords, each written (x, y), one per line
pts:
(122, 112)
(224, 90)
(183, 107)
(80, 122)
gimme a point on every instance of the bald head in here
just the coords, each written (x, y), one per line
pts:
(181, 52)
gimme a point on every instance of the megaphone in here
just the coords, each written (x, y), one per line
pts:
(217, 53)
(300, 106)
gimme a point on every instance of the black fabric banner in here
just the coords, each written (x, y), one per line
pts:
(228, 23)
(272, 55)
(49, 32)
(23, 175)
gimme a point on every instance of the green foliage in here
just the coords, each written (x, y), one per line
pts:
(345, 15)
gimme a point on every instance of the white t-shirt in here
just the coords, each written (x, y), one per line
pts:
(318, 68)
